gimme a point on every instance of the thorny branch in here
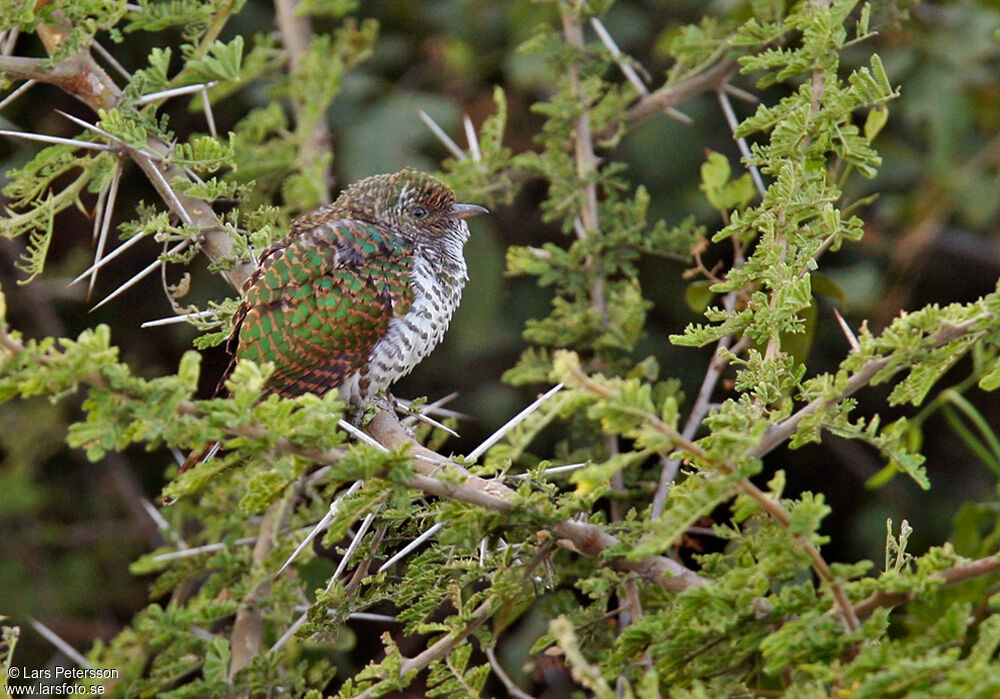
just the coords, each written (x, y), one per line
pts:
(775, 435)
(960, 573)
(457, 484)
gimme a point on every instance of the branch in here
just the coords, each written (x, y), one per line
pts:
(960, 573)
(776, 434)
(295, 33)
(83, 78)
(248, 628)
(583, 537)
(438, 650)
(708, 80)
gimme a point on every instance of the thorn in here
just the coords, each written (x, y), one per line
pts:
(403, 552)
(616, 55)
(368, 616)
(296, 625)
(472, 138)
(198, 550)
(207, 107)
(554, 470)
(161, 523)
(67, 650)
(327, 518)
(174, 92)
(8, 47)
(143, 274)
(355, 542)
(177, 319)
(852, 339)
(166, 189)
(27, 135)
(358, 434)
(741, 143)
(498, 435)
(679, 116)
(25, 86)
(442, 136)
(435, 407)
(98, 214)
(741, 94)
(105, 260)
(434, 423)
(106, 212)
(111, 60)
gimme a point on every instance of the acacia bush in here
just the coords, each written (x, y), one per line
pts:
(669, 557)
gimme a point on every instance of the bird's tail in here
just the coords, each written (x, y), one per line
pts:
(198, 456)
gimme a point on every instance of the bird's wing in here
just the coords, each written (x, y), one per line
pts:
(320, 302)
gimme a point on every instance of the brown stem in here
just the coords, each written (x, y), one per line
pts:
(295, 34)
(709, 80)
(435, 651)
(960, 573)
(248, 628)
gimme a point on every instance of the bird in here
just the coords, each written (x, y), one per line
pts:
(357, 293)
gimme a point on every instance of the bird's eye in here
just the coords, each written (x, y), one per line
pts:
(418, 212)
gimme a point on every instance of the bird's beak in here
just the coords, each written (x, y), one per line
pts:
(467, 210)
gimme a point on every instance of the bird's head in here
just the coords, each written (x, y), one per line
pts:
(410, 202)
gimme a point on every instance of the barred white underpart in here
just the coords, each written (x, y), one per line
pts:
(438, 277)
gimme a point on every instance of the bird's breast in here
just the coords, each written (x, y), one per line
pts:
(411, 336)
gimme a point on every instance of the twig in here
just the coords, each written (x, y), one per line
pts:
(776, 434)
(248, 627)
(698, 412)
(951, 576)
(666, 97)
(627, 70)
(437, 650)
(295, 36)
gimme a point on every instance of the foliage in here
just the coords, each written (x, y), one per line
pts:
(273, 556)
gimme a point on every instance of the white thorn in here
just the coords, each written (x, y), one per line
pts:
(403, 552)
(111, 60)
(67, 650)
(143, 274)
(174, 92)
(177, 319)
(106, 211)
(472, 138)
(27, 135)
(358, 434)
(442, 136)
(355, 542)
(498, 435)
(553, 470)
(105, 260)
(327, 518)
(27, 85)
(197, 550)
(852, 339)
